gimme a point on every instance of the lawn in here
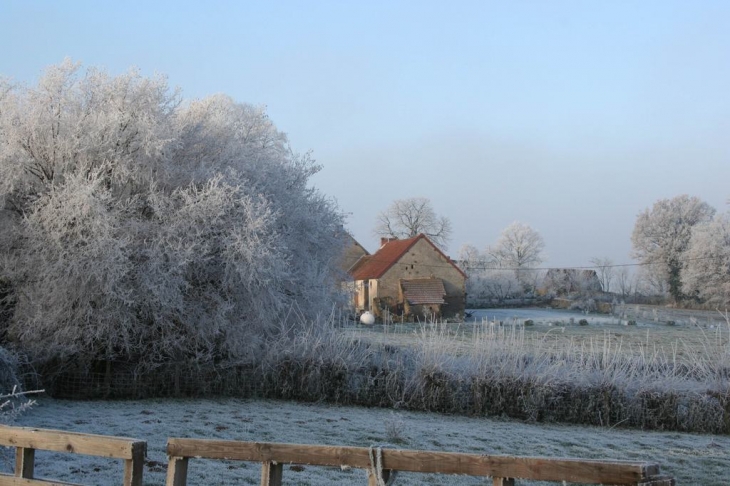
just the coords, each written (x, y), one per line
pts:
(690, 458)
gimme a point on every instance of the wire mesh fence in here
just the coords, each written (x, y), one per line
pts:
(123, 380)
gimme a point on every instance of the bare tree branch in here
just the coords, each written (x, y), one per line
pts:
(406, 218)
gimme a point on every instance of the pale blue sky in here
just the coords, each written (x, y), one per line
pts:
(571, 116)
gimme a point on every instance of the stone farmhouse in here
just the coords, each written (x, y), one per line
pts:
(410, 277)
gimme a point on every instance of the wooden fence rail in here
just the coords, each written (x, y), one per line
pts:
(503, 469)
(27, 440)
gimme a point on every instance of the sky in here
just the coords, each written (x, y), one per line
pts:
(570, 116)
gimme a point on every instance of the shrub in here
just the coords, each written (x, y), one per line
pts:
(529, 322)
(671, 323)
(583, 322)
(154, 231)
(13, 401)
(631, 323)
(395, 428)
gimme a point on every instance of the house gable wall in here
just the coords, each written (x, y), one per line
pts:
(351, 254)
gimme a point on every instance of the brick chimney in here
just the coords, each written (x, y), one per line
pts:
(383, 241)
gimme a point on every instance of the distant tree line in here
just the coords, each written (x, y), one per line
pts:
(682, 245)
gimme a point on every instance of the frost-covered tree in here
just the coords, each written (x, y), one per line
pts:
(486, 283)
(605, 272)
(471, 260)
(140, 227)
(518, 246)
(661, 236)
(406, 218)
(706, 273)
(498, 285)
(571, 281)
(625, 282)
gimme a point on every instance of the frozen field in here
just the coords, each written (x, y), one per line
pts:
(646, 316)
(692, 459)
(539, 316)
(705, 335)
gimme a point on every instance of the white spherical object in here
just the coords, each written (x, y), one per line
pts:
(368, 318)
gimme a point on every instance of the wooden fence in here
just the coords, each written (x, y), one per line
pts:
(28, 440)
(380, 463)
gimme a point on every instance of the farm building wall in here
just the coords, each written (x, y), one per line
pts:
(351, 254)
(365, 292)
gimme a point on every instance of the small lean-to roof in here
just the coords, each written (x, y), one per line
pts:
(375, 265)
(423, 291)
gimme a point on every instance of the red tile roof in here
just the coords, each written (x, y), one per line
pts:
(383, 259)
(376, 265)
(423, 291)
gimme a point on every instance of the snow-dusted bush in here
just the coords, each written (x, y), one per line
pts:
(485, 283)
(13, 400)
(139, 227)
(490, 286)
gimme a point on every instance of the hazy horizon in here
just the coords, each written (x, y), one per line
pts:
(572, 117)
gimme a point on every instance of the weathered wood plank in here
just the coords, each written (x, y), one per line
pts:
(61, 441)
(24, 462)
(177, 471)
(271, 474)
(547, 469)
(16, 481)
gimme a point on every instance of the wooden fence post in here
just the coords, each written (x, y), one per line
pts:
(24, 462)
(373, 478)
(271, 473)
(134, 467)
(177, 471)
(503, 482)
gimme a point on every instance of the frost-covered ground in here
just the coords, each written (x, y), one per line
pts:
(692, 459)
(539, 316)
(701, 334)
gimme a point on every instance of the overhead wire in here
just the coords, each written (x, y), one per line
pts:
(584, 267)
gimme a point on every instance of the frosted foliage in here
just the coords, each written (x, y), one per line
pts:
(706, 274)
(519, 246)
(471, 259)
(147, 229)
(486, 284)
(661, 237)
(493, 285)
